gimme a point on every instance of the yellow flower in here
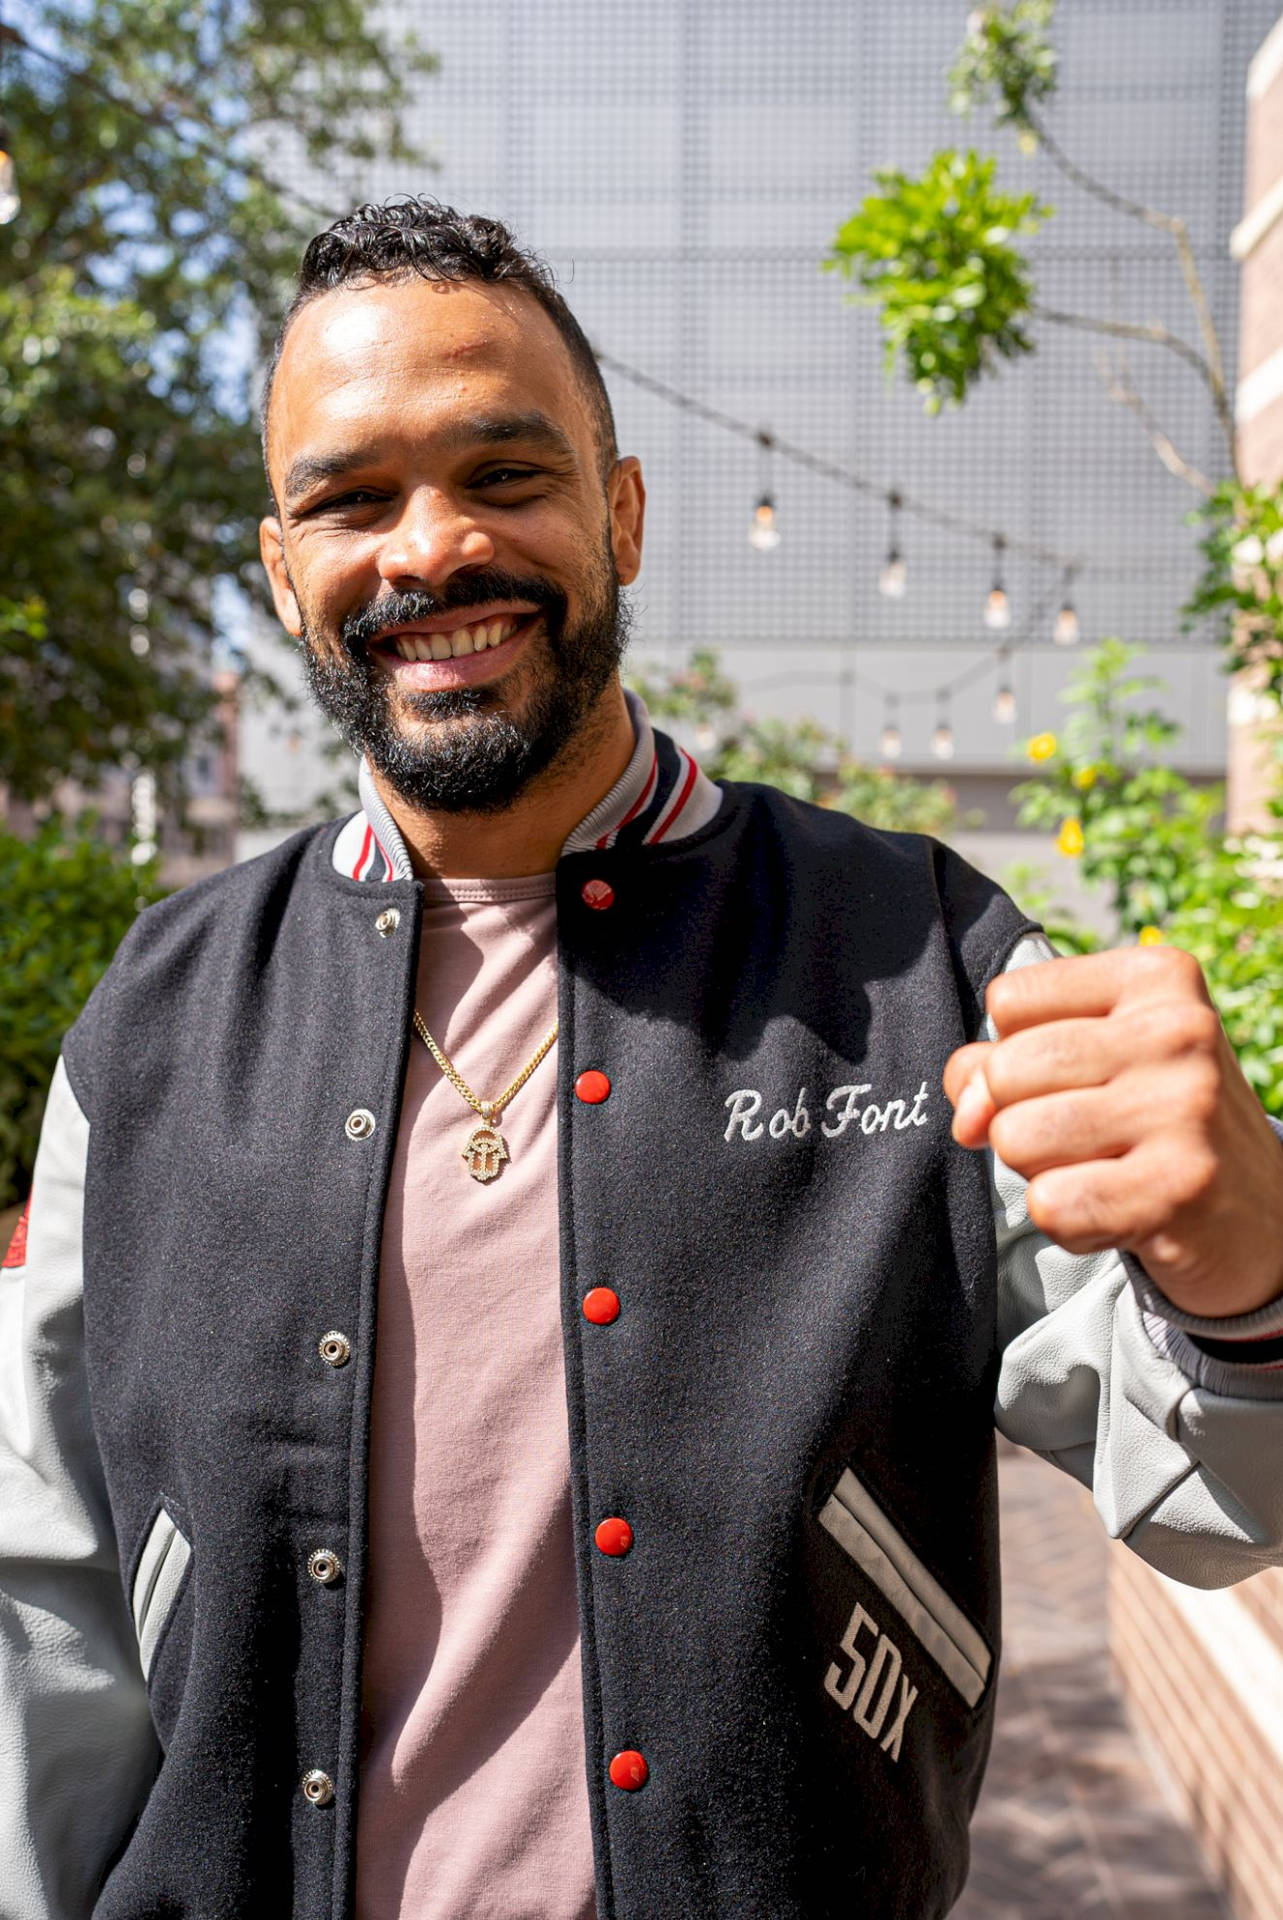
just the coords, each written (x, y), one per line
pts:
(1041, 747)
(1150, 936)
(1069, 840)
(1084, 779)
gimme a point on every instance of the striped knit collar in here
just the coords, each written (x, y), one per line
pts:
(661, 796)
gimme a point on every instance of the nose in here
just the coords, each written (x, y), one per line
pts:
(433, 538)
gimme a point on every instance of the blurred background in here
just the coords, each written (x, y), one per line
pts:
(951, 342)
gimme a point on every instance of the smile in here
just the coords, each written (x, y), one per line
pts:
(476, 637)
(429, 656)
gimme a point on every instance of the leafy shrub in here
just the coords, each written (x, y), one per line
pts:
(69, 900)
(798, 756)
(1154, 841)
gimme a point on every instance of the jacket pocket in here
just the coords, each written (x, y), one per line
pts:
(853, 1518)
(158, 1582)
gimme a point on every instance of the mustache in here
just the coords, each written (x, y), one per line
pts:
(369, 623)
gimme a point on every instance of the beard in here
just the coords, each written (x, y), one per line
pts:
(468, 749)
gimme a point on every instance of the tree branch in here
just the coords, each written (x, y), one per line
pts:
(1119, 388)
(1151, 331)
(1212, 365)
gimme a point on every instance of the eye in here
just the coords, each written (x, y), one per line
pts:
(505, 476)
(355, 497)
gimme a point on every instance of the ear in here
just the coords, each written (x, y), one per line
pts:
(271, 544)
(626, 494)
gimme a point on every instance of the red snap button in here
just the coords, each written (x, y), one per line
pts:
(597, 893)
(592, 1087)
(629, 1770)
(601, 1306)
(613, 1536)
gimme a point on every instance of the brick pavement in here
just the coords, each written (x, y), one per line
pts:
(1071, 1822)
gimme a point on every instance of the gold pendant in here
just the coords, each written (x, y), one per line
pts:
(484, 1152)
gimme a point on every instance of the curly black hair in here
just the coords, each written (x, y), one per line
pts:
(414, 234)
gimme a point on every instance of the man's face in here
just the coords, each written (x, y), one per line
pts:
(447, 550)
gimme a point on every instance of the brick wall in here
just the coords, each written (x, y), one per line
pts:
(1257, 244)
(1203, 1673)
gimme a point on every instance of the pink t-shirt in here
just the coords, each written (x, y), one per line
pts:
(473, 1799)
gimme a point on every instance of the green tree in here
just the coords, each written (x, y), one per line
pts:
(1008, 63)
(798, 756)
(137, 281)
(1150, 838)
(937, 257)
(78, 900)
(1152, 841)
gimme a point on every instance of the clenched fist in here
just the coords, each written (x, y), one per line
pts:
(1112, 1089)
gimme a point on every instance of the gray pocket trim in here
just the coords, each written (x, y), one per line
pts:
(853, 1518)
(161, 1567)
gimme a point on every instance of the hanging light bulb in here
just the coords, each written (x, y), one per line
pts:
(893, 580)
(763, 534)
(10, 201)
(894, 577)
(997, 611)
(1066, 630)
(1004, 700)
(889, 741)
(942, 738)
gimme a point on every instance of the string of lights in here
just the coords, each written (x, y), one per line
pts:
(894, 578)
(764, 534)
(940, 696)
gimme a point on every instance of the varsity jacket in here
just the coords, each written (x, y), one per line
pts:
(789, 1681)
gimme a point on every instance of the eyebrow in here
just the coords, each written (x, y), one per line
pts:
(474, 430)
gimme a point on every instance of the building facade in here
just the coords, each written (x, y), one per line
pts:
(1204, 1671)
(683, 166)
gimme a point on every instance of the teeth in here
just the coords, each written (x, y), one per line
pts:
(456, 645)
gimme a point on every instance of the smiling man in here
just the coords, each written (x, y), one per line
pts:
(500, 1370)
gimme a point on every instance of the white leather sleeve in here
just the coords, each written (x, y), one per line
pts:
(77, 1750)
(1184, 1457)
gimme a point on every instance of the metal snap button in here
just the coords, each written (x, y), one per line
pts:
(601, 1306)
(388, 921)
(629, 1770)
(592, 1087)
(335, 1349)
(325, 1566)
(614, 1536)
(317, 1787)
(359, 1124)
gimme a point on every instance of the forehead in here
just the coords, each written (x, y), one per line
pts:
(418, 351)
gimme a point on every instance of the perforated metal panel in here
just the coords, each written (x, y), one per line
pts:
(683, 165)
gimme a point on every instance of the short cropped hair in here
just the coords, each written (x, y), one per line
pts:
(416, 235)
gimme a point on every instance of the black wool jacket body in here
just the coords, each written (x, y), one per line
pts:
(794, 1405)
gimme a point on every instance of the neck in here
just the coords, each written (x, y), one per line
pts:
(528, 836)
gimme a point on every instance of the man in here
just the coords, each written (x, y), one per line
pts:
(501, 1370)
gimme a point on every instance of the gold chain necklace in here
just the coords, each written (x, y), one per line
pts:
(484, 1150)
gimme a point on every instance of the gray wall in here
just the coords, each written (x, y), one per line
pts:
(683, 164)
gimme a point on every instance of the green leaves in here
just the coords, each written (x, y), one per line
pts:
(1241, 586)
(146, 243)
(798, 756)
(1154, 841)
(935, 256)
(71, 900)
(1007, 61)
